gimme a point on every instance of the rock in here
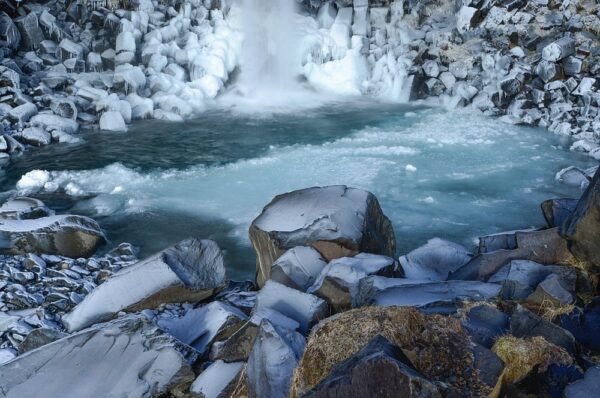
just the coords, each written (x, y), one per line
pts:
(338, 283)
(588, 387)
(557, 211)
(573, 176)
(23, 208)
(544, 247)
(68, 49)
(188, 271)
(584, 324)
(559, 49)
(31, 34)
(467, 18)
(39, 337)
(437, 346)
(526, 324)
(431, 68)
(326, 15)
(237, 347)
(274, 357)
(435, 293)
(336, 220)
(585, 87)
(298, 267)
(133, 356)
(582, 228)
(8, 31)
(551, 292)
(547, 71)
(64, 108)
(200, 326)
(512, 84)
(112, 121)
(65, 235)
(485, 324)
(500, 241)
(525, 356)
(54, 122)
(22, 113)
(435, 260)
(304, 308)
(551, 382)
(218, 380)
(35, 136)
(379, 367)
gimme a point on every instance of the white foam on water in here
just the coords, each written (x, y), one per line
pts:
(464, 162)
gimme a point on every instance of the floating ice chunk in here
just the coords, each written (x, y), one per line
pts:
(112, 121)
(435, 260)
(198, 327)
(410, 168)
(304, 308)
(32, 182)
(217, 379)
(428, 200)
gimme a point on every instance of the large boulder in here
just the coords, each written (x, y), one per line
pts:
(189, 271)
(379, 367)
(437, 346)
(336, 220)
(129, 357)
(65, 235)
(582, 228)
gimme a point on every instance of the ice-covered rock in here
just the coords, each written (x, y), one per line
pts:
(29, 28)
(126, 358)
(54, 122)
(435, 260)
(336, 220)
(35, 136)
(298, 267)
(188, 271)
(218, 380)
(112, 121)
(338, 283)
(199, 326)
(304, 308)
(8, 31)
(274, 357)
(573, 176)
(559, 49)
(23, 208)
(466, 18)
(587, 387)
(557, 211)
(141, 108)
(22, 113)
(66, 235)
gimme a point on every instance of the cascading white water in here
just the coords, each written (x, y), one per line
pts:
(270, 57)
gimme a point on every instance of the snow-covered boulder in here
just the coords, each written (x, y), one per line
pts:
(198, 327)
(188, 271)
(298, 267)
(22, 113)
(112, 121)
(129, 357)
(336, 220)
(54, 122)
(304, 308)
(66, 235)
(35, 136)
(274, 357)
(23, 208)
(435, 260)
(338, 283)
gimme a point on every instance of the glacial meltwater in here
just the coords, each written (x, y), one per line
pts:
(436, 173)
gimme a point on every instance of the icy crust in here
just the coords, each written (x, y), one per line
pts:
(437, 292)
(435, 260)
(313, 214)
(216, 378)
(67, 235)
(169, 276)
(129, 357)
(198, 327)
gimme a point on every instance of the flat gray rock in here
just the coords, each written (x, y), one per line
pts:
(435, 260)
(188, 271)
(587, 387)
(298, 267)
(336, 220)
(129, 357)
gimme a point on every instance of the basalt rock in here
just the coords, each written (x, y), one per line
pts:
(189, 271)
(557, 211)
(336, 220)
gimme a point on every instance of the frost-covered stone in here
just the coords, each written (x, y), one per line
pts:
(298, 267)
(199, 326)
(336, 220)
(274, 357)
(133, 356)
(8, 31)
(466, 18)
(23, 208)
(559, 49)
(304, 308)
(326, 15)
(66, 235)
(54, 122)
(188, 271)
(218, 380)
(22, 113)
(338, 283)
(35, 136)
(64, 108)
(29, 28)
(435, 260)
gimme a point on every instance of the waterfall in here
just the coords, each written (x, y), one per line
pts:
(270, 57)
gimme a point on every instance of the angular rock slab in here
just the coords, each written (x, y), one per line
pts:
(584, 325)
(65, 235)
(336, 220)
(218, 380)
(435, 260)
(380, 369)
(129, 357)
(191, 270)
(557, 211)
(589, 386)
(582, 228)
(23, 208)
(298, 267)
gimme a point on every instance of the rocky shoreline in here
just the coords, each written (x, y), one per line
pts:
(332, 312)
